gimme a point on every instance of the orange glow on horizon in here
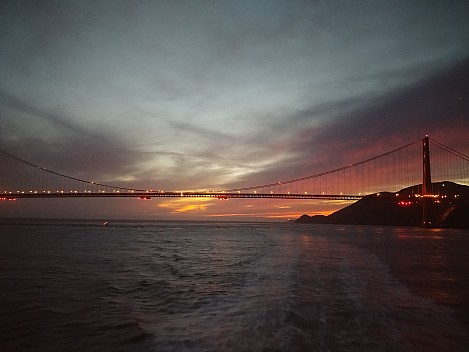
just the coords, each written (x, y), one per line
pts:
(183, 205)
(258, 209)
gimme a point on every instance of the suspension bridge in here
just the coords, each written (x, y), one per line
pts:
(415, 166)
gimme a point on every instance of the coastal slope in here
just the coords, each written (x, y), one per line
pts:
(449, 208)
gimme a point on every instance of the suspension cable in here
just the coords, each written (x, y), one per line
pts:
(65, 176)
(323, 173)
(451, 150)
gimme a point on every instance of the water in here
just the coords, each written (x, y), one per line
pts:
(155, 286)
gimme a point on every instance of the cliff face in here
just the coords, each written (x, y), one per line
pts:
(449, 210)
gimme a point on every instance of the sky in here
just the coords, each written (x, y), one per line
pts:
(222, 94)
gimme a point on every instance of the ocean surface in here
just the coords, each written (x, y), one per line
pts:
(181, 286)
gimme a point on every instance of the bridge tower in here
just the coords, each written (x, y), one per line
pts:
(427, 178)
(426, 182)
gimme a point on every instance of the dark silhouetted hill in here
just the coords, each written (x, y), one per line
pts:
(450, 209)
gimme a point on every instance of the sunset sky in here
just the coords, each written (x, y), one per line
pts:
(222, 94)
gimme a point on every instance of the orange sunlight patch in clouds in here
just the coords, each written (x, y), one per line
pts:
(221, 215)
(183, 205)
(254, 210)
(278, 216)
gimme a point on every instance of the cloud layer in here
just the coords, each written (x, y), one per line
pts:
(197, 95)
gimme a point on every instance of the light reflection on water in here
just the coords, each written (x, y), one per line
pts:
(235, 287)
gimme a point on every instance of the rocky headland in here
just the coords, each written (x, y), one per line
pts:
(448, 208)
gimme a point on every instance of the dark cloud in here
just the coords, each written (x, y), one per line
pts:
(63, 145)
(55, 120)
(437, 105)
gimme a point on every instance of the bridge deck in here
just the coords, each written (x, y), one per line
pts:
(148, 195)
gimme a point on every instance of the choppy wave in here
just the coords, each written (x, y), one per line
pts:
(231, 287)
